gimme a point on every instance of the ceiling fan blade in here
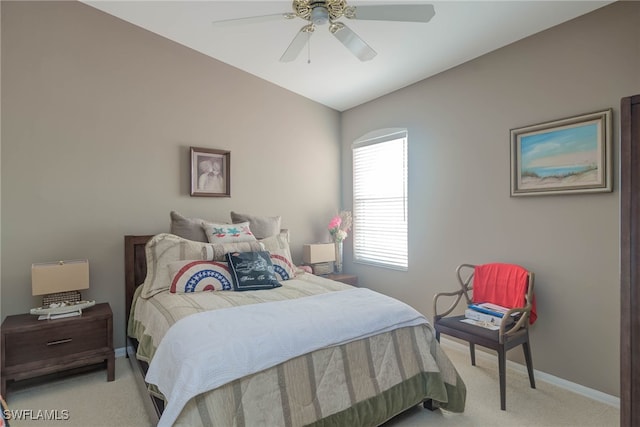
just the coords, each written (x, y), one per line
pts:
(393, 12)
(253, 19)
(298, 42)
(352, 41)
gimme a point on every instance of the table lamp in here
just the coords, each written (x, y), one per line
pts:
(319, 256)
(60, 281)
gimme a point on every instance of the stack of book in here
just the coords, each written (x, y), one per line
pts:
(488, 314)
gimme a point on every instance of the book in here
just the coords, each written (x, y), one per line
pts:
(481, 324)
(490, 309)
(485, 318)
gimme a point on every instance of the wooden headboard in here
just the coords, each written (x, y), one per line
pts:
(135, 266)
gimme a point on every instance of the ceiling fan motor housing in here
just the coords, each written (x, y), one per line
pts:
(320, 11)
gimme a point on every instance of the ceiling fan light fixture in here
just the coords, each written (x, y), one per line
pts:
(319, 15)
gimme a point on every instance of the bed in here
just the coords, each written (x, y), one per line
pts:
(353, 378)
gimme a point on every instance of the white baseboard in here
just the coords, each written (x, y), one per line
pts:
(542, 376)
(121, 352)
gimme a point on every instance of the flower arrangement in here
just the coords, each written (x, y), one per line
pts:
(340, 225)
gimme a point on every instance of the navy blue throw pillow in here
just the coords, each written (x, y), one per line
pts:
(252, 271)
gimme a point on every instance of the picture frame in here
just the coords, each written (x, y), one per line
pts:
(210, 172)
(566, 156)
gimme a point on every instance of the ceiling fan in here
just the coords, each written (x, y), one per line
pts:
(321, 12)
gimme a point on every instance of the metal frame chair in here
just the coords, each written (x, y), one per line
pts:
(502, 340)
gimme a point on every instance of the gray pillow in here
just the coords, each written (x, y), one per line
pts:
(187, 228)
(261, 226)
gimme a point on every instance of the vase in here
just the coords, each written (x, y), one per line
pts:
(338, 262)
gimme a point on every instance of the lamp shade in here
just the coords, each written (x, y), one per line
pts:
(62, 276)
(319, 252)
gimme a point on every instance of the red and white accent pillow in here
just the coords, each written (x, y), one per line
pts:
(198, 276)
(282, 265)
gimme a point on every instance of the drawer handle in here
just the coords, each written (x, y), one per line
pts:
(59, 341)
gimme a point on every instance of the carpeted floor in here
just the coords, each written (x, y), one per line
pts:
(91, 401)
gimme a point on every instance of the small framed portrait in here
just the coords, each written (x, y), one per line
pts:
(210, 172)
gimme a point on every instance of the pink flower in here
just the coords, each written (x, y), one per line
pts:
(335, 222)
(340, 225)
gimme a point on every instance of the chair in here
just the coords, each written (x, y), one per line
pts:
(507, 285)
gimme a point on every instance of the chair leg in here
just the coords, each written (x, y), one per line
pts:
(502, 372)
(527, 357)
(472, 350)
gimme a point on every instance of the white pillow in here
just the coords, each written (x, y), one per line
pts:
(228, 233)
(162, 250)
(280, 253)
(217, 251)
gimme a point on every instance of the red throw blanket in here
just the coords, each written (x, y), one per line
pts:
(502, 284)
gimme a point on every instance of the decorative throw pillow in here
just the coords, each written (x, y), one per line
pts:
(280, 254)
(187, 228)
(228, 233)
(197, 276)
(282, 266)
(252, 271)
(261, 226)
(162, 250)
(218, 251)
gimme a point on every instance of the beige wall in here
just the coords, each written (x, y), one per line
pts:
(459, 204)
(98, 116)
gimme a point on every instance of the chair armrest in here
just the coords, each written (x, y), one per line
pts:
(457, 294)
(523, 321)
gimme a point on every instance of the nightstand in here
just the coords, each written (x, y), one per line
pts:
(32, 347)
(349, 279)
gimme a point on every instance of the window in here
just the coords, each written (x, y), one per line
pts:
(380, 199)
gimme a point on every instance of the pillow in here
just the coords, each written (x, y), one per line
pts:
(252, 271)
(162, 250)
(282, 266)
(217, 251)
(280, 254)
(261, 226)
(197, 276)
(228, 233)
(188, 228)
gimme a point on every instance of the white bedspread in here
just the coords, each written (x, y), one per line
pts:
(209, 349)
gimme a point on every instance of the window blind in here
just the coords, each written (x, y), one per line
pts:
(380, 224)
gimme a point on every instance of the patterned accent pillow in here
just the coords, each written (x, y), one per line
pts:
(252, 271)
(280, 254)
(282, 266)
(197, 276)
(228, 233)
(162, 250)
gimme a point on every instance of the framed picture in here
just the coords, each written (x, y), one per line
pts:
(571, 155)
(210, 172)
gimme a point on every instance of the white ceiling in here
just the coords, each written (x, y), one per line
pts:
(407, 52)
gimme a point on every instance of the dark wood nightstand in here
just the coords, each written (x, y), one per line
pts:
(32, 347)
(349, 279)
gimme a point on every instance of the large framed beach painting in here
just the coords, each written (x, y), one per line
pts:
(571, 155)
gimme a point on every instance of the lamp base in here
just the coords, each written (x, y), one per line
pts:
(322, 268)
(59, 316)
(58, 297)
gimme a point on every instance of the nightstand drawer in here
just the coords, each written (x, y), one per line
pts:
(52, 342)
